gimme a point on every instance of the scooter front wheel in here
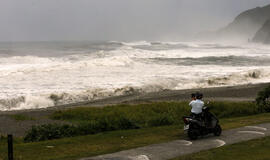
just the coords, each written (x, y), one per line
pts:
(217, 130)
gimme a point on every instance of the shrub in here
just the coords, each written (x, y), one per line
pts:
(49, 131)
(56, 131)
(263, 100)
(233, 109)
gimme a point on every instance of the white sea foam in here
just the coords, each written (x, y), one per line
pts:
(34, 81)
(138, 43)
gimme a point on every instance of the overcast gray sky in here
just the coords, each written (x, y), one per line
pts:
(126, 20)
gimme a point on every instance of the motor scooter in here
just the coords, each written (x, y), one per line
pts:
(202, 125)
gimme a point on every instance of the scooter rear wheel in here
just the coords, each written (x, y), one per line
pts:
(192, 134)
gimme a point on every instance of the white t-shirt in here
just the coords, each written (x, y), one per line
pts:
(197, 106)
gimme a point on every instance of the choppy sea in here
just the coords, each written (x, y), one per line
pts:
(43, 74)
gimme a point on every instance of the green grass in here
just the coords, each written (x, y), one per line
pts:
(143, 115)
(251, 150)
(108, 142)
(82, 146)
(149, 115)
(89, 120)
(21, 117)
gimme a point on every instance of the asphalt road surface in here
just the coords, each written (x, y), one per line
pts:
(177, 148)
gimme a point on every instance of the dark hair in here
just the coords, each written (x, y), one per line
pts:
(193, 95)
(199, 95)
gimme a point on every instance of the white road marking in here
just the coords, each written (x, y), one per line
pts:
(187, 143)
(251, 132)
(140, 157)
(220, 142)
(256, 127)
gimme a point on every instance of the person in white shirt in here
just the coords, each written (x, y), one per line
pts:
(197, 105)
(193, 98)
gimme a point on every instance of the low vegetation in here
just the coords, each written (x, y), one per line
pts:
(122, 117)
(21, 117)
(263, 100)
(112, 141)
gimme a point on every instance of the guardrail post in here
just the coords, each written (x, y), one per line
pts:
(10, 147)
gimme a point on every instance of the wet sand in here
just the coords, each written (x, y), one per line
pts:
(235, 93)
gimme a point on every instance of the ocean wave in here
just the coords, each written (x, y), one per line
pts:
(25, 102)
(238, 78)
(252, 76)
(139, 52)
(33, 64)
(61, 98)
(138, 43)
(35, 81)
(213, 60)
(180, 44)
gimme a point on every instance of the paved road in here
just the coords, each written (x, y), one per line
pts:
(177, 148)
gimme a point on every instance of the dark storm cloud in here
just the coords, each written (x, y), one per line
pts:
(115, 19)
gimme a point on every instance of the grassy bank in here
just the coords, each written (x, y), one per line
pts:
(149, 115)
(231, 114)
(251, 150)
(108, 142)
(123, 117)
(20, 117)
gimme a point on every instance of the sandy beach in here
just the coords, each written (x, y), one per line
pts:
(235, 93)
